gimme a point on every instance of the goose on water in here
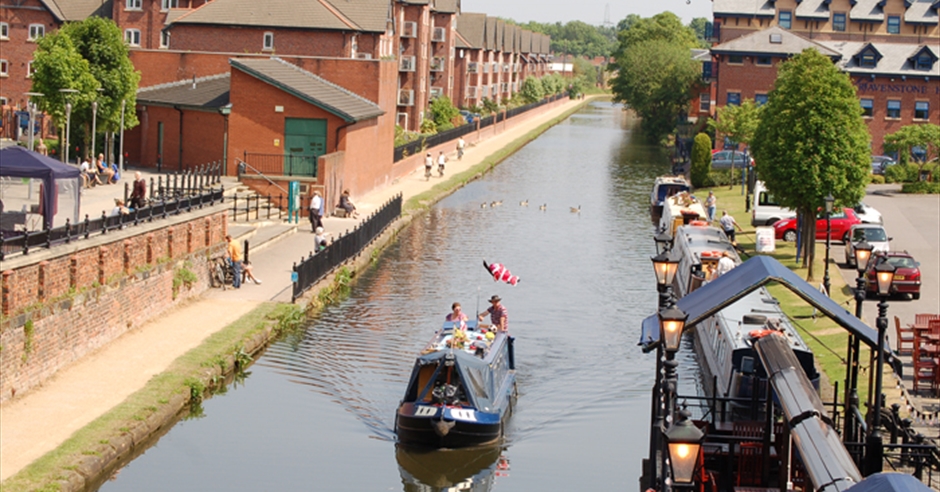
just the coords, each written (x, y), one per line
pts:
(576, 210)
(543, 206)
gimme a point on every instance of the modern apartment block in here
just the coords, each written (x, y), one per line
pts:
(889, 48)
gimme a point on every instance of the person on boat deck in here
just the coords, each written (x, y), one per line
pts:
(498, 315)
(457, 316)
(725, 264)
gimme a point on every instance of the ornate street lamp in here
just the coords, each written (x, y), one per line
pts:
(31, 106)
(663, 242)
(829, 201)
(684, 441)
(874, 454)
(862, 251)
(671, 323)
(665, 267)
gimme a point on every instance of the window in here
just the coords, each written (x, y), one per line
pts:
(764, 60)
(4, 30)
(132, 5)
(132, 37)
(921, 110)
(3, 101)
(894, 109)
(894, 24)
(29, 70)
(760, 99)
(735, 59)
(867, 60)
(268, 42)
(838, 21)
(704, 102)
(923, 61)
(785, 19)
(734, 99)
(867, 107)
(168, 4)
(36, 31)
(164, 39)
(4, 68)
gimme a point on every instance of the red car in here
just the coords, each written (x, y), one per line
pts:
(841, 221)
(906, 273)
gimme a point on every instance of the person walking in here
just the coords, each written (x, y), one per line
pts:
(441, 159)
(499, 317)
(460, 146)
(428, 163)
(234, 254)
(711, 204)
(139, 193)
(728, 224)
(316, 211)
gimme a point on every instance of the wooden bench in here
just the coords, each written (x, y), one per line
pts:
(339, 212)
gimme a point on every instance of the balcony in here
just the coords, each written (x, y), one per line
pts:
(409, 30)
(436, 92)
(438, 35)
(709, 71)
(473, 67)
(406, 97)
(473, 92)
(712, 32)
(407, 64)
(437, 64)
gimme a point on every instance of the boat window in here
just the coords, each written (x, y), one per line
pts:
(476, 381)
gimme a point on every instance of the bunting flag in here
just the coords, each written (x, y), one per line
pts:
(500, 272)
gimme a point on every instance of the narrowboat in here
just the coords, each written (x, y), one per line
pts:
(462, 389)
(681, 209)
(663, 187)
(724, 341)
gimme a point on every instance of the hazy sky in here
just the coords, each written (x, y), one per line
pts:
(589, 11)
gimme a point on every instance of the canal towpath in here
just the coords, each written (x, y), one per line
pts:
(39, 421)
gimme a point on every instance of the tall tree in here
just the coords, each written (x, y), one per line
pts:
(812, 141)
(738, 123)
(699, 25)
(665, 26)
(701, 160)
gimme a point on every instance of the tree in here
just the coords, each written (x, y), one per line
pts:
(701, 160)
(443, 112)
(698, 26)
(665, 26)
(628, 22)
(738, 123)
(812, 141)
(925, 138)
(532, 89)
(655, 78)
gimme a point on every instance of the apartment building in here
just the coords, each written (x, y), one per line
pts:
(889, 48)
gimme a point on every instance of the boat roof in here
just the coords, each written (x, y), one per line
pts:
(744, 279)
(670, 180)
(700, 238)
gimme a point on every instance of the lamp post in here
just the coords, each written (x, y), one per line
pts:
(68, 121)
(665, 266)
(829, 200)
(862, 251)
(121, 147)
(684, 441)
(31, 106)
(874, 452)
(94, 121)
(663, 242)
(671, 323)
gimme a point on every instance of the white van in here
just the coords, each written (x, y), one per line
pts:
(765, 210)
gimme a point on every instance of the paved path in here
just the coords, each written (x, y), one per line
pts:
(89, 388)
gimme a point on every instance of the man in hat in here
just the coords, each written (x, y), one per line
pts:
(498, 316)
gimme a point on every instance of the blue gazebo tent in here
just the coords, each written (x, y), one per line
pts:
(27, 196)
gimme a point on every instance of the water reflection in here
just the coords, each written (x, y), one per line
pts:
(474, 469)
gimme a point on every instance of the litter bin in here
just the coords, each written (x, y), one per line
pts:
(765, 240)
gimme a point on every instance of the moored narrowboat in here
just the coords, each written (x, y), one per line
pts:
(462, 389)
(663, 187)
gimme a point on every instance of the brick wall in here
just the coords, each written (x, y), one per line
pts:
(18, 50)
(118, 282)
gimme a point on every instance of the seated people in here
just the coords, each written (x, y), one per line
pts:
(139, 193)
(247, 273)
(119, 208)
(89, 174)
(457, 316)
(103, 169)
(346, 204)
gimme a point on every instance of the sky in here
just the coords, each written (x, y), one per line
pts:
(589, 11)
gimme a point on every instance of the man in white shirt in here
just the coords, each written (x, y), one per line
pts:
(460, 146)
(316, 211)
(725, 264)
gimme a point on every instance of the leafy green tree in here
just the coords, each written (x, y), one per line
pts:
(698, 26)
(925, 137)
(701, 160)
(532, 89)
(628, 22)
(665, 26)
(738, 123)
(443, 112)
(58, 65)
(812, 141)
(655, 78)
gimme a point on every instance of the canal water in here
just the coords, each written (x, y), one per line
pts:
(317, 410)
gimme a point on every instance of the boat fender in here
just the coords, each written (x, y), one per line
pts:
(757, 334)
(698, 223)
(442, 428)
(710, 254)
(754, 319)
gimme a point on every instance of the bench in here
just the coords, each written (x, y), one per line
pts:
(339, 212)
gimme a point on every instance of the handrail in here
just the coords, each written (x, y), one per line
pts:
(259, 173)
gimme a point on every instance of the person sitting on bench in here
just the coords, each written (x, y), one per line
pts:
(346, 204)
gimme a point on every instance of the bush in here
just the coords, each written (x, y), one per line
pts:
(921, 187)
(876, 179)
(901, 173)
(701, 160)
(428, 126)
(722, 177)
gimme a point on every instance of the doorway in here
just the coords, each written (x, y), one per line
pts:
(304, 141)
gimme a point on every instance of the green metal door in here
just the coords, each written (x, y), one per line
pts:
(304, 141)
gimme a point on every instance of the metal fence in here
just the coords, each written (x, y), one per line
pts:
(282, 164)
(315, 267)
(427, 142)
(177, 185)
(158, 208)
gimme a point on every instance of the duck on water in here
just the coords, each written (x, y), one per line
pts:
(462, 388)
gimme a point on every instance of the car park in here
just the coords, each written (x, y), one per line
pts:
(881, 162)
(906, 273)
(841, 221)
(868, 214)
(722, 159)
(873, 234)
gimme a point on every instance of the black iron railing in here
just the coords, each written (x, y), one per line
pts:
(315, 267)
(177, 185)
(157, 208)
(282, 164)
(419, 145)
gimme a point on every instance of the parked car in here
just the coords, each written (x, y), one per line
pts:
(881, 162)
(765, 211)
(873, 234)
(470, 117)
(868, 214)
(906, 274)
(841, 221)
(722, 159)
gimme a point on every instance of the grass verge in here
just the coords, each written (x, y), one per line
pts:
(158, 394)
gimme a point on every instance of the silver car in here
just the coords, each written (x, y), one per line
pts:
(722, 159)
(874, 234)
